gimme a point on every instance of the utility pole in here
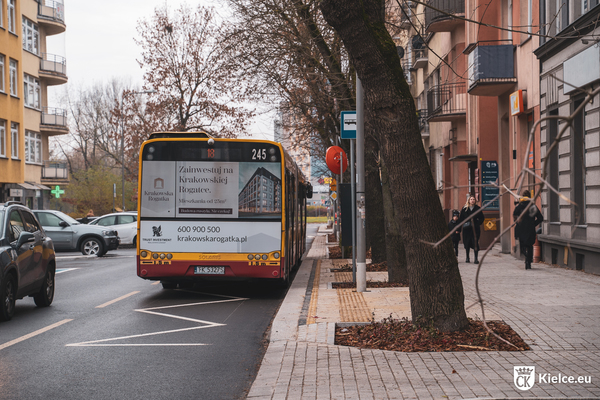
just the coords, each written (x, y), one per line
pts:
(361, 253)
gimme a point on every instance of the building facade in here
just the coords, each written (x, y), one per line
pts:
(570, 59)
(466, 59)
(27, 121)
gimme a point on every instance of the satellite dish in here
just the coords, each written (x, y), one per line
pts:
(400, 51)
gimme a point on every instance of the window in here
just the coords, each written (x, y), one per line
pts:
(578, 166)
(32, 92)
(16, 225)
(562, 11)
(31, 36)
(12, 19)
(33, 147)
(553, 200)
(13, 78)
(2, 58)
(14, 139)
(1, 13)
(2, 138)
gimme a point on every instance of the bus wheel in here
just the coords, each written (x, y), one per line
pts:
(169, 285)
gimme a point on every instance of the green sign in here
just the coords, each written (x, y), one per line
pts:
(57, 191)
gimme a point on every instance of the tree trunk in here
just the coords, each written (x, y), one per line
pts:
(435, 285)
(375, 223)
(396, 256)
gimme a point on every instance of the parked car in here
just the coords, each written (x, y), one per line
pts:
(125, 223)
(27, 260)
(68, 234)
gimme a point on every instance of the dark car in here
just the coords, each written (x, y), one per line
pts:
(27, 261)
(68, 234)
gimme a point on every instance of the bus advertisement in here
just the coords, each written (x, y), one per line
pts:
(211, 208)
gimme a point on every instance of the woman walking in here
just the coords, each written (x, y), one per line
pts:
(526, 226)
(471, 228)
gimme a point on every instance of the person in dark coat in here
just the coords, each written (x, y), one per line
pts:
(471, 229)
(456, 234)
(526, 226)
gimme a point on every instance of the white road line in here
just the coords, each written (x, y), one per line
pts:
(108, 303)
(153, 311)
(61, 270)
(32, 334)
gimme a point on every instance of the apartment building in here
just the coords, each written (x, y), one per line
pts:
(482, 74)
(27, 121)
(569, 55)
(466, 62)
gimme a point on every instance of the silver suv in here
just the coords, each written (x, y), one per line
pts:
(68, 234)
(27, 261)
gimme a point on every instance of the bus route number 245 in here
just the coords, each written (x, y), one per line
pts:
(199, 229)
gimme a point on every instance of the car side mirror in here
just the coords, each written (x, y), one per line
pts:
(24, 237)
(64, 224)
(309, 191)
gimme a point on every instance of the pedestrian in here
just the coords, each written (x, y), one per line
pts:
(471, 228)
(88, 218)
(456, 234)
(526, 225)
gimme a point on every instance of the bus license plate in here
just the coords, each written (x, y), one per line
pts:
(209, 270)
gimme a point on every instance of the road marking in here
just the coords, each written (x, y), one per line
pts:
(108, 303)
(155, 311)
(61, 270)
(32, 334)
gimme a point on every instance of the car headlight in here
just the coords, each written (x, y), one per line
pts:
(109, 233)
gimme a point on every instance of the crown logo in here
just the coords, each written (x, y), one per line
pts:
(524, 371)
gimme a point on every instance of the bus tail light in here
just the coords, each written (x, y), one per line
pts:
(250, 257)
(276, 256)
(275, 273)
(144, 254)
(265, 256)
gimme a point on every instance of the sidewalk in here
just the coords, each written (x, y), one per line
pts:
(556, 311)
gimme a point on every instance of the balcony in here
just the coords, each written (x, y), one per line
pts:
(423, 124)
(53, 69)
(406, 14)
(420, 58)
(444, 20)
(491, 70)
(51, 15)
(447, 102)
(54, 121)
(55, 172)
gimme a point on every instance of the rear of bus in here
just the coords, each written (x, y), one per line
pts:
(209, 208)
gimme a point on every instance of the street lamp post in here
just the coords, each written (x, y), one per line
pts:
(123, 148)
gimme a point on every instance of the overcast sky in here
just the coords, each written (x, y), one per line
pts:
(99, 44)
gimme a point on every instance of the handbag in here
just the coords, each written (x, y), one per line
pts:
(467, 224)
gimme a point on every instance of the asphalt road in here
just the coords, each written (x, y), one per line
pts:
(111, 335)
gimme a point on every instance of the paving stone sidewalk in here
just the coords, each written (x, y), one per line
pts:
(556, 311)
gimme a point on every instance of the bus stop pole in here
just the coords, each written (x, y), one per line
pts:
(361, 264)
(353, 201)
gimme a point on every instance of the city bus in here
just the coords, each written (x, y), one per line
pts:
(212, 208)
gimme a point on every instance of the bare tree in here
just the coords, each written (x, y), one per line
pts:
(434, 280)
(193, 73)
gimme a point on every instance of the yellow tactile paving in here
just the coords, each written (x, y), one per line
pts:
(343, 276)
(353, 307)
(314, 298)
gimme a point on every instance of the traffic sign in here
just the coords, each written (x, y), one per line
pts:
(333, 185)
(348, 124)
(333, 195)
